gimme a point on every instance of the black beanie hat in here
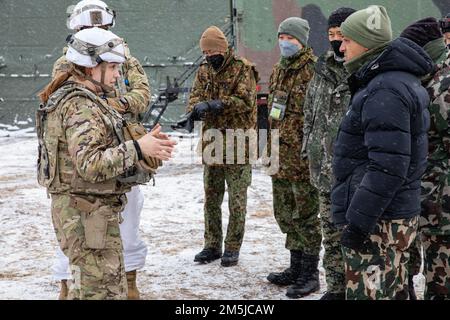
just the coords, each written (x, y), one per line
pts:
(423, 31)
(338, 16)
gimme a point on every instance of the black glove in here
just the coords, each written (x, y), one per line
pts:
(185, 123)
(353, 238)
(200, 110)
(215, 106)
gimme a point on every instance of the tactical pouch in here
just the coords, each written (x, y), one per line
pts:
(95, 218)
(279, 103)
(134, 131)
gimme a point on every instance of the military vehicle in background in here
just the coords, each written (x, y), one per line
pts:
(164, 36)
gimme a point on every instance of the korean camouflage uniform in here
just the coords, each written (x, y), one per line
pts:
(235, 85)
(326, 102)
(295, 200)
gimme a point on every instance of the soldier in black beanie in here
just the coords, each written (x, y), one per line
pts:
(427, 34)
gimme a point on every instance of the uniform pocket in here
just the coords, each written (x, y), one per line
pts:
(96, 226)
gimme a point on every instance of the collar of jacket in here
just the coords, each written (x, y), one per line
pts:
(437, 50)
(328, 67)
(298, 60)
(229, 55)
(358, 63)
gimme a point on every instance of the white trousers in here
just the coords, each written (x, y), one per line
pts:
(134, 249)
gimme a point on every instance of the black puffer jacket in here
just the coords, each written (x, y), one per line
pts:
(381, 148)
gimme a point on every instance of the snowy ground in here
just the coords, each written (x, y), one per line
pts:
(172, 226)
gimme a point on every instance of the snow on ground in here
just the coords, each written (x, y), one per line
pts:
(171, 225)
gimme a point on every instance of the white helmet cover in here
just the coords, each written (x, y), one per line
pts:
(89, 47)
(91, 13)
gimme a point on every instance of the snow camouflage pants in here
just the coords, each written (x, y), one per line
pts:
(88, 234)
(296, 205)
(333, 262)
(238, 178)
(381, 272)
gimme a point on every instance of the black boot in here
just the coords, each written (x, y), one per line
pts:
(230, 258)
(333, 296)
(208, 255)
(289, 275)
(308, 280)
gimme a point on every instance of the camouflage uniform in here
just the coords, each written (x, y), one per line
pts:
(369, 276)
(326, 102)
(295, 200)
(235, 85)
(435, 217)
(82, 156)
(136, 90)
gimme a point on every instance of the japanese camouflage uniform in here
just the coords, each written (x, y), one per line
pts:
(235, 85)
(295, 199)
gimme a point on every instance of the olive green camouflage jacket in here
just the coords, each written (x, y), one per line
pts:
(235, 85)
(292, 79)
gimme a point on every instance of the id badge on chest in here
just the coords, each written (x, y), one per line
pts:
(279, 104)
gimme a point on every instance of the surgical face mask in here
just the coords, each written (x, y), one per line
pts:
(216, 61)
(336, 44)
(287, 48)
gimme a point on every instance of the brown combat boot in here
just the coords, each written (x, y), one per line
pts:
(64, 290)
(133, 292)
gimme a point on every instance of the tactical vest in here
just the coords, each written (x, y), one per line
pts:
(49, 130)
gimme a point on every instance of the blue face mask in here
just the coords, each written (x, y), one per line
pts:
(287, 48)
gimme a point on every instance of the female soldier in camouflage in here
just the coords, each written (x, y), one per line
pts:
(87, 166)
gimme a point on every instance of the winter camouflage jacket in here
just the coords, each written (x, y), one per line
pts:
(327, 100)
(81, 146)
(292, 79)
(136, 89)
(235, 85)
(435, 217)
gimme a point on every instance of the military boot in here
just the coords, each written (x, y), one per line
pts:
(133, 292)
(64, 291)
(308, 280)
(230, 258)
(289, 275)
(208, 255)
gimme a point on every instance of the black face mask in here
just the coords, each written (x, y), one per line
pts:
(336, 44)
(215, 61)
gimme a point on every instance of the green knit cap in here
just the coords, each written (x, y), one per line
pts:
(370, 27)
(296, 27)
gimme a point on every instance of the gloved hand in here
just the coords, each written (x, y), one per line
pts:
(200, 110)
(186, 122)
(353, 238)
(214, 107)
